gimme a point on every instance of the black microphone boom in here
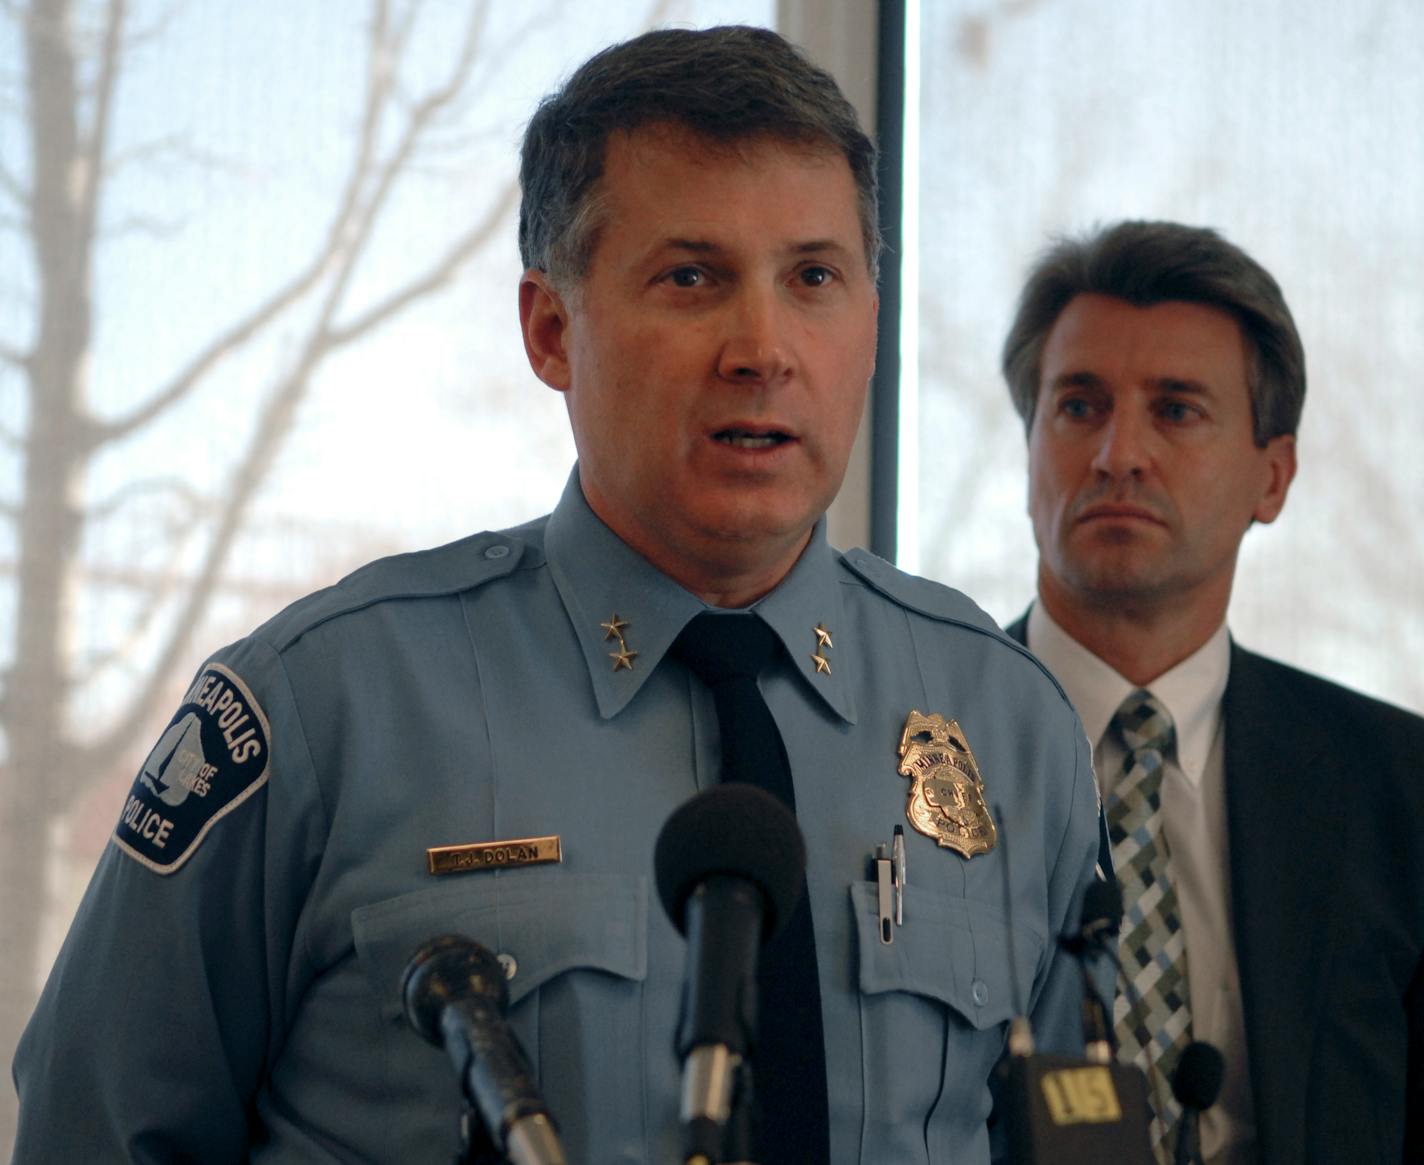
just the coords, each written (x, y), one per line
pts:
(455, 996)
(730, 865)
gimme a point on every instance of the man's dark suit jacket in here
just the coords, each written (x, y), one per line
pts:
(1325, 824)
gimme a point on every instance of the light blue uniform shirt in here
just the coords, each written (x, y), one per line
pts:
(231, 986)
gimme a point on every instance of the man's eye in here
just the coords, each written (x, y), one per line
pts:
(816, 276)
(1175, 410)
(686, 277)
(1075, 408)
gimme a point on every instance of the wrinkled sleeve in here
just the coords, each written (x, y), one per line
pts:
(168, 1000)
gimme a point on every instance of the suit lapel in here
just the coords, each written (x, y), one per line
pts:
(1278, 810)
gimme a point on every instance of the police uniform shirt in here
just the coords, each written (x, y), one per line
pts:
(1194, 820)
(230, 988)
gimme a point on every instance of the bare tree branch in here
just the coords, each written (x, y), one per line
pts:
(154, 30)
(14, 188)
(368, 189)
(156, 599)
(149, 151)
(273, 424)
(378, 87)
(171, 486)
(438, 274)
(95, 143)
(142, 224)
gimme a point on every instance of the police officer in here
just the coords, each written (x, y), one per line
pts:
(699, 230)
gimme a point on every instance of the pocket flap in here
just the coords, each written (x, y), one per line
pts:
(954, 950)
(547, 923)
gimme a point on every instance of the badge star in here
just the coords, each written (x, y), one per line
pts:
(613, 628)
(622, 657)
(823, 638)
(822, 664)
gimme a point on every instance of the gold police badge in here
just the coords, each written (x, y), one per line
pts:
(946, 790)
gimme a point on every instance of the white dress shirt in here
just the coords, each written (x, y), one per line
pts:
(1194, 819)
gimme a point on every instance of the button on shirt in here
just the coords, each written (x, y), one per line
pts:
(1194, 819)
(246, 1005)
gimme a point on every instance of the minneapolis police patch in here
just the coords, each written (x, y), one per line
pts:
(213, 756)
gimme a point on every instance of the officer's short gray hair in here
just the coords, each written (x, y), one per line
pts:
(727, 84)
(1146, 263)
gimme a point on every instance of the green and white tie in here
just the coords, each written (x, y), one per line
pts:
(1153, 1028)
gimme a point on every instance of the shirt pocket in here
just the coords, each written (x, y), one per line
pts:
(575, 950)
(934, 1008)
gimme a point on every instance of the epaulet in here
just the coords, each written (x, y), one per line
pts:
(935, 601)
(442, 570)
(931, 599)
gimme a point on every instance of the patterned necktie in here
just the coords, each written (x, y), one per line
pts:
(728, 652)
(1154, 1028)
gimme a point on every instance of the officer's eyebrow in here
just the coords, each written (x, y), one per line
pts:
(831, 248)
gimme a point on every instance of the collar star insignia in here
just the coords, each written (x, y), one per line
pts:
(613, 629)
(823, 644)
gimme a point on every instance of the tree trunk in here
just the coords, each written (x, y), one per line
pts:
(36, 776)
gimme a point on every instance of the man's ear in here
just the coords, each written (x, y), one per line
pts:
(1280, 471)
(544, 319)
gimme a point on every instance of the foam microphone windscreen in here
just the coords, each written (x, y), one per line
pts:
(1198, 1077)
(738, 830)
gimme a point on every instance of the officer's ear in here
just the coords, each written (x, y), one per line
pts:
(544, 318)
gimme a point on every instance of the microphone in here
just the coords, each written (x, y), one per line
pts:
(1102, 919)
(455, 996)
(1064, 1110)
(1195, 1084)
(730, 865)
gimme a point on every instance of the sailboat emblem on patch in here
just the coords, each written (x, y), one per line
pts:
(946, 790)
(211, 758)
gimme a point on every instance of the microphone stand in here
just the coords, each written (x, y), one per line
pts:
(737, 1147)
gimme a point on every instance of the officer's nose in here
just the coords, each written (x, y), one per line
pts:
(756, 348)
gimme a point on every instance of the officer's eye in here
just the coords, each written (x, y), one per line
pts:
(816, 276)
(686, 277)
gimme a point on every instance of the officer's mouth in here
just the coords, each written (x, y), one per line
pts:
(752, 439)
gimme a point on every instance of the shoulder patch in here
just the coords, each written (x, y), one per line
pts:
(212, 757)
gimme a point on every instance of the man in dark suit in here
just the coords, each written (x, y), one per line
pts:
(1273, 820)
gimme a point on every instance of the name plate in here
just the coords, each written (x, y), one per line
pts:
(493, 855)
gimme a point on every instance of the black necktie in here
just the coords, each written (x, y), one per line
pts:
(728, 652)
